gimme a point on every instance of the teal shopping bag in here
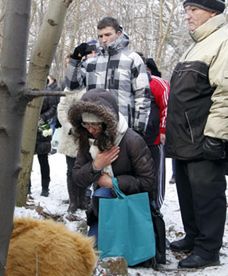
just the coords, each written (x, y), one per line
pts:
(125, 227)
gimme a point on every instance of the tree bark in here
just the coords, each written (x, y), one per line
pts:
(40, 62)
(164, 31)
(13, 104)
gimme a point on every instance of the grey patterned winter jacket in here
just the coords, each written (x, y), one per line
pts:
(120, 71)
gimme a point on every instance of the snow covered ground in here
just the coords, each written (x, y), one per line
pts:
(58, 192)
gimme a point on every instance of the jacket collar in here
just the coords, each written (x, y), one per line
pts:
(212, 25)
(120, 43)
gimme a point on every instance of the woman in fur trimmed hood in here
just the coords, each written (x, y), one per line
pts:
(108, 148)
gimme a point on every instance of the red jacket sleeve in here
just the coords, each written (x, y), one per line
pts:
(160, 89)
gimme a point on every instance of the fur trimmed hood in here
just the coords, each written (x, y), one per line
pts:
(102, 104)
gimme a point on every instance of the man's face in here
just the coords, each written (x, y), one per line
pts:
(196, 17)
(107, 35)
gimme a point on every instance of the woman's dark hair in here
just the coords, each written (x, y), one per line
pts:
(81, 135)
(150, 63)
(109, 22)
(104, 106)
(104, 142)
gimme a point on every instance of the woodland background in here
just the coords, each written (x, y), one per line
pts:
(155, 27)
(52, 29)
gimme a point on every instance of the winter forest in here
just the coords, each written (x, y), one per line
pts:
(35, 38)
(156, 28)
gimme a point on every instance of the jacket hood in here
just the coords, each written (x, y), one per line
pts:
(102, 104)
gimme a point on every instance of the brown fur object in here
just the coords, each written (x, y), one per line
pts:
(47, 248)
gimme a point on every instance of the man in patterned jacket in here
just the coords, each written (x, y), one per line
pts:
(197, 131)
(115, 68)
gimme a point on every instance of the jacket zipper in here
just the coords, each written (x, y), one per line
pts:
(106, 75)
(129, 115)
(112, 77)
(189, 125)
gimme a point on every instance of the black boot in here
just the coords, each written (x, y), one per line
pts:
(196, 261)
(29, 187)
(82, 199)
(72, 208)
(45, 187)
(72, 191)
(185, 245)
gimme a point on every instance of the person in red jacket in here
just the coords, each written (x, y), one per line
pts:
(160, 90)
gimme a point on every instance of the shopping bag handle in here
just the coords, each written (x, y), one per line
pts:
(116, 188)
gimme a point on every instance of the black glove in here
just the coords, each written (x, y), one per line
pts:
(80, 51)
(213, 148)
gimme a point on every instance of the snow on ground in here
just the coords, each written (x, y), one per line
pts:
(58, 192)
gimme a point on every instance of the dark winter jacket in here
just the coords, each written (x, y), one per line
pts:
(188, 109)
(198, 103)
(55, 100)
(48, 112)
(134, 168)
(122, 72)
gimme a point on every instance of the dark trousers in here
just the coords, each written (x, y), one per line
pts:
(76, 195)
(174, 168)
(44, 171)
(44, 166)
(72, 191)
(70, 164)
(157, 152)
(201, 189)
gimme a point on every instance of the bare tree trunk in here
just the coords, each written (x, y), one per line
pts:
(164, 32)
(40, 62)
(12, 102)
(2, 15)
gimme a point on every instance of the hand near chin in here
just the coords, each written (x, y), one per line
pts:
(106, 158)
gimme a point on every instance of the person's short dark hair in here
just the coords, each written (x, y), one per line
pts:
(150, 63)
(109, 21)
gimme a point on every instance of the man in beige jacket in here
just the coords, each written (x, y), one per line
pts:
(197, 132)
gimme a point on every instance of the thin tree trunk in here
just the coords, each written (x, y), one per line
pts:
(12, 102)
(164, 33)
(40, 62)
